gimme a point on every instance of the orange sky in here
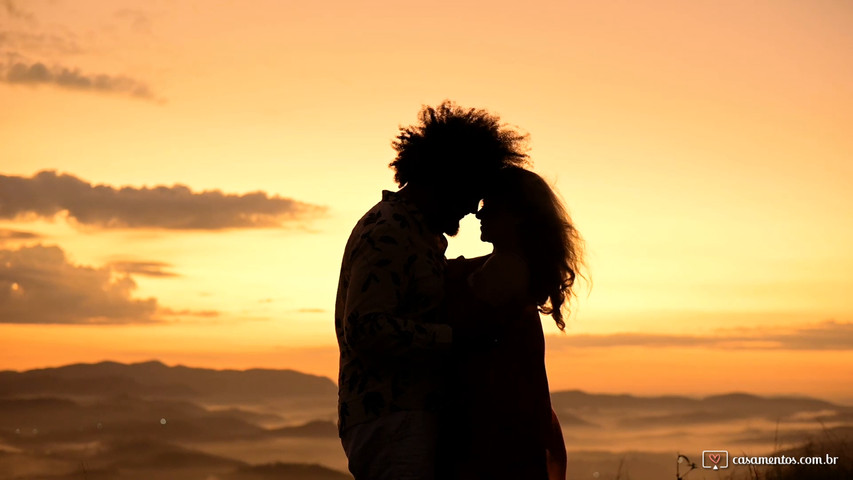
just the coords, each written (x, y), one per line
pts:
(700, 146)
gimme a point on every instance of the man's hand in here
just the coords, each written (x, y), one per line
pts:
(458, 269)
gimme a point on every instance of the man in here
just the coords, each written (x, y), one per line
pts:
(392, 335)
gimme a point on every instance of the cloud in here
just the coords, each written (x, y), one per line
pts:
(148, 269)
(47, 194)
(24, 73)
(18, 42)
(14, 11)
(187, 313)
(829, 335)
(9, 235)
(139, 21)
(38, 56)
(38, 285)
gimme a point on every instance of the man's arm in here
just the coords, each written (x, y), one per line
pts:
(374, 322)
(461, 267)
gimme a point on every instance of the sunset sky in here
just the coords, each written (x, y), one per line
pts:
(178, 179)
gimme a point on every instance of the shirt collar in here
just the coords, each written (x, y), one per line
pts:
(411, 208)
(416, 215)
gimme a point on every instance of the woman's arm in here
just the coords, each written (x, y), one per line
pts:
(556, 450)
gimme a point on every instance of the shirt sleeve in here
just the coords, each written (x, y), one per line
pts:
(375, 321)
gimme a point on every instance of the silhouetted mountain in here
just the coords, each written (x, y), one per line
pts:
(578, 400)
(286, 471)
(249, 416)
(139, 459)
(144, 454)
(148, 420)
(40, 420)
(574, 421)
(316, 429)
(642, 412)
(154, 379)
(93, 474)
(754, 403)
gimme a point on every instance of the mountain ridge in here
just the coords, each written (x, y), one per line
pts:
(156, 379)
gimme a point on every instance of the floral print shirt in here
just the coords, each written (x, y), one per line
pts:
(389, 317)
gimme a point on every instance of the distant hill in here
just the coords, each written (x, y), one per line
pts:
(641, 412)
(286, 471)
(315, 429)
(35, 421)
(154, 379)
(144, 454)
(149, 459)
(148, 420)
(577, 399)
(109, 401)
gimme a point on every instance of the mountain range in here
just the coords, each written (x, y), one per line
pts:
(149, 420)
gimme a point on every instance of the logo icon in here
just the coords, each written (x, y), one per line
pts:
(715, 459)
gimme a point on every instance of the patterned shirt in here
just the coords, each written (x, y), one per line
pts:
(389, 305)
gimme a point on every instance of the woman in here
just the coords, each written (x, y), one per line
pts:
(504, 426)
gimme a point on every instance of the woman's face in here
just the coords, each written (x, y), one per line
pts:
(498, 223)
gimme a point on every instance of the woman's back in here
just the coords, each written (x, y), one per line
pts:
(502, 408)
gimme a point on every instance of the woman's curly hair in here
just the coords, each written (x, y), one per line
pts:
(550, 243)
(452, 141)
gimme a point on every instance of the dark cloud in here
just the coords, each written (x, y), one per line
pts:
(630, 340)
(28, 53)
(47, 194)
(18, 43)
(71, 78)
(829, 335)
(39, 285)
(7, 235)
(12, 9)
(148, 269)
(139, 21)
(187, 313)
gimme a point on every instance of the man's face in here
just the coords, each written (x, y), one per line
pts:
(456, 202)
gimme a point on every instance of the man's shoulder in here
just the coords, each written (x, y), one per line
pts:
(389, 216)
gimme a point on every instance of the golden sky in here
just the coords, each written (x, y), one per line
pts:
(179, 178)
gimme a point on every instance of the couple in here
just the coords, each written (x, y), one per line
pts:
(442, 372)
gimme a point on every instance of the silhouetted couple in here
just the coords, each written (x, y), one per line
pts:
(442, 372)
